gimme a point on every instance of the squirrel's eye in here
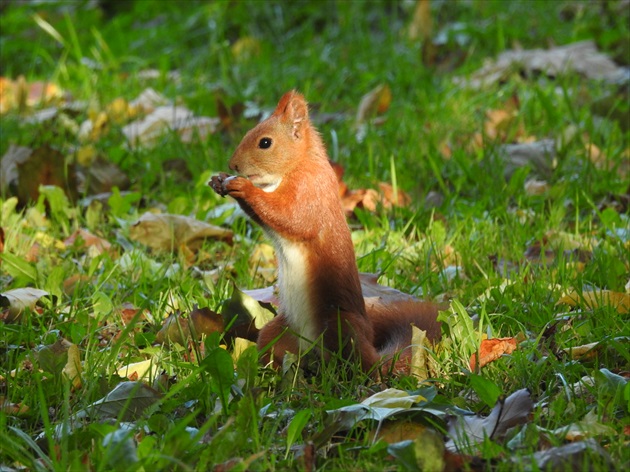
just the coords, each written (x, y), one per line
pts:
(264, 143)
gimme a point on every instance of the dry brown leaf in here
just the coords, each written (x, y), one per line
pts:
(101, 176)
(375, 102)
(166, 232)
(421, 26)
(128, 312)
(499, 124)
(23, 170)
(75, 281)
(90, 241)
(446, 150)
(597, 299)
(362, 198)
(228, 114)
(583, 351)
(399, 198)
(179, 330)
(13, 409)
(492, 349)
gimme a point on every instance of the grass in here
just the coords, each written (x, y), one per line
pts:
(207, 412)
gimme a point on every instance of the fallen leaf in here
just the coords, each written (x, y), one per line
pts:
(468, 432)
(148, 100)
(419, 355)
(166, 232)
(245, 48)
(424, 450)
(72, 369)
(244, 316)
(13, 409)
(201, 321)
(127, 401)
(566, 457)
(240, 345)
(363, 198)
(61, 358)
(144, 370)
(581, 57)
(15, 302)
(375, 102)
(492, 349)
(101, 176)
(21, 95)
(583, 351)
(597, 299)
(535, 187)
(128, 312)
(75, 281)
(588, 427)
(539, 156)
(89, 241)
(23, 170)
(503, 125)
(390, 197)
(266, 295)
(120, 111)
(421, 26)
(146, 131)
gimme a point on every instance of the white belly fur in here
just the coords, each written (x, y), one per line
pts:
(294, 289)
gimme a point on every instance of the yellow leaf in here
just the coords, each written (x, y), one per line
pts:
(72, 369)
(245, 48)
(240, 344)
(86, 155)
(418, 367)
(118, 110)
(598, 298)
(139, 370)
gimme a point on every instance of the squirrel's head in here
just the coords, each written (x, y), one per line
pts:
(276, 145)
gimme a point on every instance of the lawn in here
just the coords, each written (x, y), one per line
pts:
(485, 149)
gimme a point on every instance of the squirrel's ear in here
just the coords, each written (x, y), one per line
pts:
(293, 110)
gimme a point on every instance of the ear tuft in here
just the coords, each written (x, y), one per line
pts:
(293, 110)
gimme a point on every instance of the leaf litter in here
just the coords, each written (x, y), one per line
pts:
(153, 116)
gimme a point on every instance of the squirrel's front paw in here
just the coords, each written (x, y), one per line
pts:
(217, 183)
(236, 186)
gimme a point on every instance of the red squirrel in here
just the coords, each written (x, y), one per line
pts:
(286, 184)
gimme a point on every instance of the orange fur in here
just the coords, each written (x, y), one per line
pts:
(286, 184)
